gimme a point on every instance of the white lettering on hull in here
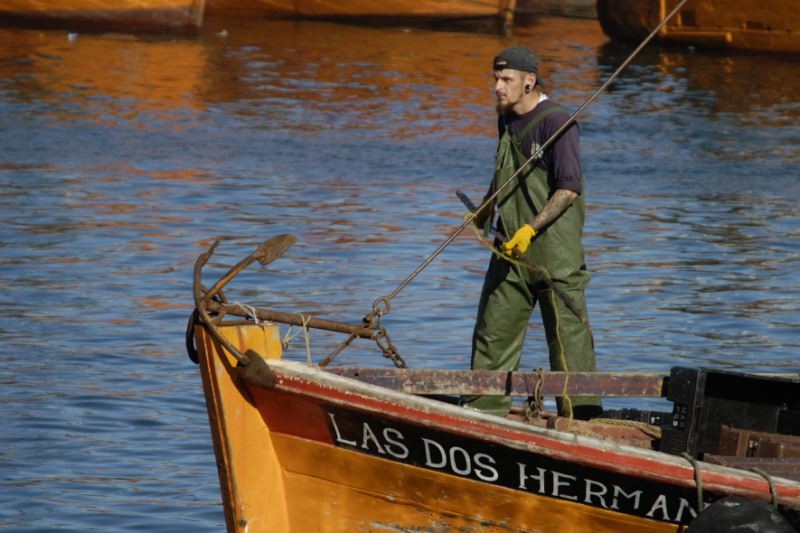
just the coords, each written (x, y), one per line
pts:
(481, 461)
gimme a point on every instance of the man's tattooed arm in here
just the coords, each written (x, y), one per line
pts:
(555, 206)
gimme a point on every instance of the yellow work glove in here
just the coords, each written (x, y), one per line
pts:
(520, 241)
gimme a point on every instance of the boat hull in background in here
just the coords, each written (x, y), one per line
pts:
(130, 16)
(367, 9)
(764, 26)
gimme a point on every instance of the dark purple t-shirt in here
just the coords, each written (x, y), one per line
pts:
(562, 159)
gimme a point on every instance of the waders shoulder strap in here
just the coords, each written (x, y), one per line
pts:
(532, 124)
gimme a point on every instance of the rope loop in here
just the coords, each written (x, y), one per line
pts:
(773, 491)
(249, 308)
(289, 337)
(307, 337)
(698, 482)
(194, 319)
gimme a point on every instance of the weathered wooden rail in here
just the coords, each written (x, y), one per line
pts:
(487, 382)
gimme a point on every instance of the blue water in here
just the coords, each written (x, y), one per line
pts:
(123, 158)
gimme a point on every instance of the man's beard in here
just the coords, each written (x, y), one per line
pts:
(503, 108)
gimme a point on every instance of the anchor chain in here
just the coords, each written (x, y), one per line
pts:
(384, 341)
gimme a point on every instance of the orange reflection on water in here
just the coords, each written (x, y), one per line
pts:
(313, 65)
(739, 83)
(110, 77)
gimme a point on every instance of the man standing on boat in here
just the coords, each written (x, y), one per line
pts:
(542, 212)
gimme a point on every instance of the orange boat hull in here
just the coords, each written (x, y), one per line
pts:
(313, 451)
(767, 25)
(409, 9)
(123, 15)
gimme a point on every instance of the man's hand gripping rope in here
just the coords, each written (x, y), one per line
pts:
(513, 250)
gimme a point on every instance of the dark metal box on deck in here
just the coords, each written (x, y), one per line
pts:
(705, 399)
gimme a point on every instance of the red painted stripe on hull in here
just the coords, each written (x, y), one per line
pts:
(635, 465)
(291, 414)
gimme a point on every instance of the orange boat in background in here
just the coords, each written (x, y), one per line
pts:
(423, 10)
(120, 15)
(766, 25)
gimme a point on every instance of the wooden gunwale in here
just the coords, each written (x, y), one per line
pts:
(520, 383)
(328, 388)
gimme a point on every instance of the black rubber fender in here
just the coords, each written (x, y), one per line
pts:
(734, 514)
